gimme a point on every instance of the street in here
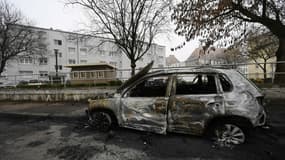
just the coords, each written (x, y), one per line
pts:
(43, 138)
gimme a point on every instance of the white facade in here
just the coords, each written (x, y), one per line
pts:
(75, 48)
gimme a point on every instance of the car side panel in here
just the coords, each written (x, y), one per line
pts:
(190, 113)
(147, 114)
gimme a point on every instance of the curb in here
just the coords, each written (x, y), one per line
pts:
(43, 116)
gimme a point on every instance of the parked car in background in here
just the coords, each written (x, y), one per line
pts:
(218, 102)
(8, 85)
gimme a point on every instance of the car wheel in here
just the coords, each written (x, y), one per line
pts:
(228, 134)
(101, 121)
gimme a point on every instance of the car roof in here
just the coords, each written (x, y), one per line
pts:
(208, 70)
(168, 71)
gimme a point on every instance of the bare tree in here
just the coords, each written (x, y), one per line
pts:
(229, 20)
(15, 36)
(132, 24)
(262, 47)
(257, 47)
(233, 55)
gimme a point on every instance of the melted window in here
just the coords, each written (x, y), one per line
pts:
(226, 85)
(195, 84)
(153, 87)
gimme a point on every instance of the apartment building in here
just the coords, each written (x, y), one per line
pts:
(69, 48)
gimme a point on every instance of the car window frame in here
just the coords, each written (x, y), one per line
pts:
(170, 84)
(218, 87)
(228, 79)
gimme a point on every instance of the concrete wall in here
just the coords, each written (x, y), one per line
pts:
(84, 94)
(53, 95)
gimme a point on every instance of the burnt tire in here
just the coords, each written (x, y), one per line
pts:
(228, 133)
(101, 121)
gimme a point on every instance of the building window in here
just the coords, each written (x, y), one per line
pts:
(43, 74)
(100, 74)
(112, 54)
(83, 61)
(102, 53)
(88, 75)
(57, 42)
(71, 61)
(26, 74)
(71, 50)
(59, 67)
(102, 61)
(83, 51)
(113, 63)
(43, 61)
(59, 54)
(26, 60)
(82, 75)
(76, 75)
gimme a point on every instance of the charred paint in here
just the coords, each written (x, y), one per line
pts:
(145, 113)
(188, 115)
(98, 103)
(184, 113)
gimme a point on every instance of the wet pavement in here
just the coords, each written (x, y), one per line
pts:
(55, 110)
(38, 138)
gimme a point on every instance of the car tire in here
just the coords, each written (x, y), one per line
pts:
(228, 133)
(101, 121)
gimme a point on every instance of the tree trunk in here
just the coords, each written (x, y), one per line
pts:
(264, 71)
(2, 66)
(280, 67)
(133, 66)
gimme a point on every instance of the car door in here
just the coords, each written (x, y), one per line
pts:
(144, 106)
(196, 99)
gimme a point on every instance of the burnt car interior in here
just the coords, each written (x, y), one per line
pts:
(200, 84)
(226, 85)
(186, 84)
(153, 87)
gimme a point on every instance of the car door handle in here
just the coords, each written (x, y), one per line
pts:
(215, 104)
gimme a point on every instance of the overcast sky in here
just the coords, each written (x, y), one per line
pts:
(54, 14)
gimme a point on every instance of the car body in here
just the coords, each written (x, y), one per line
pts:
(185, 101)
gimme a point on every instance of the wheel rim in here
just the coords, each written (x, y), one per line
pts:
(101, 121)
(230, 134)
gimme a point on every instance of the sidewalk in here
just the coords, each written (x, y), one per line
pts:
(56, 110)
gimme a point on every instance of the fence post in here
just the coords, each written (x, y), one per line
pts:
(272, 73)
(15, 78)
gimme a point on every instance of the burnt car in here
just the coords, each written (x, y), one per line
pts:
(221, 103)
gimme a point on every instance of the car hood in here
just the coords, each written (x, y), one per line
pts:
(138, 75)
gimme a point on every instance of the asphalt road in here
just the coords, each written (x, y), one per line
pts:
(39, 139)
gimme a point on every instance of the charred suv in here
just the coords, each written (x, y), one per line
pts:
(219, 102)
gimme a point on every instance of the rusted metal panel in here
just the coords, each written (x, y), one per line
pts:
(184, 113)
(147, 114)
(188, 114)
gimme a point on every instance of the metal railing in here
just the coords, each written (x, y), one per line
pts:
(252, 71)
